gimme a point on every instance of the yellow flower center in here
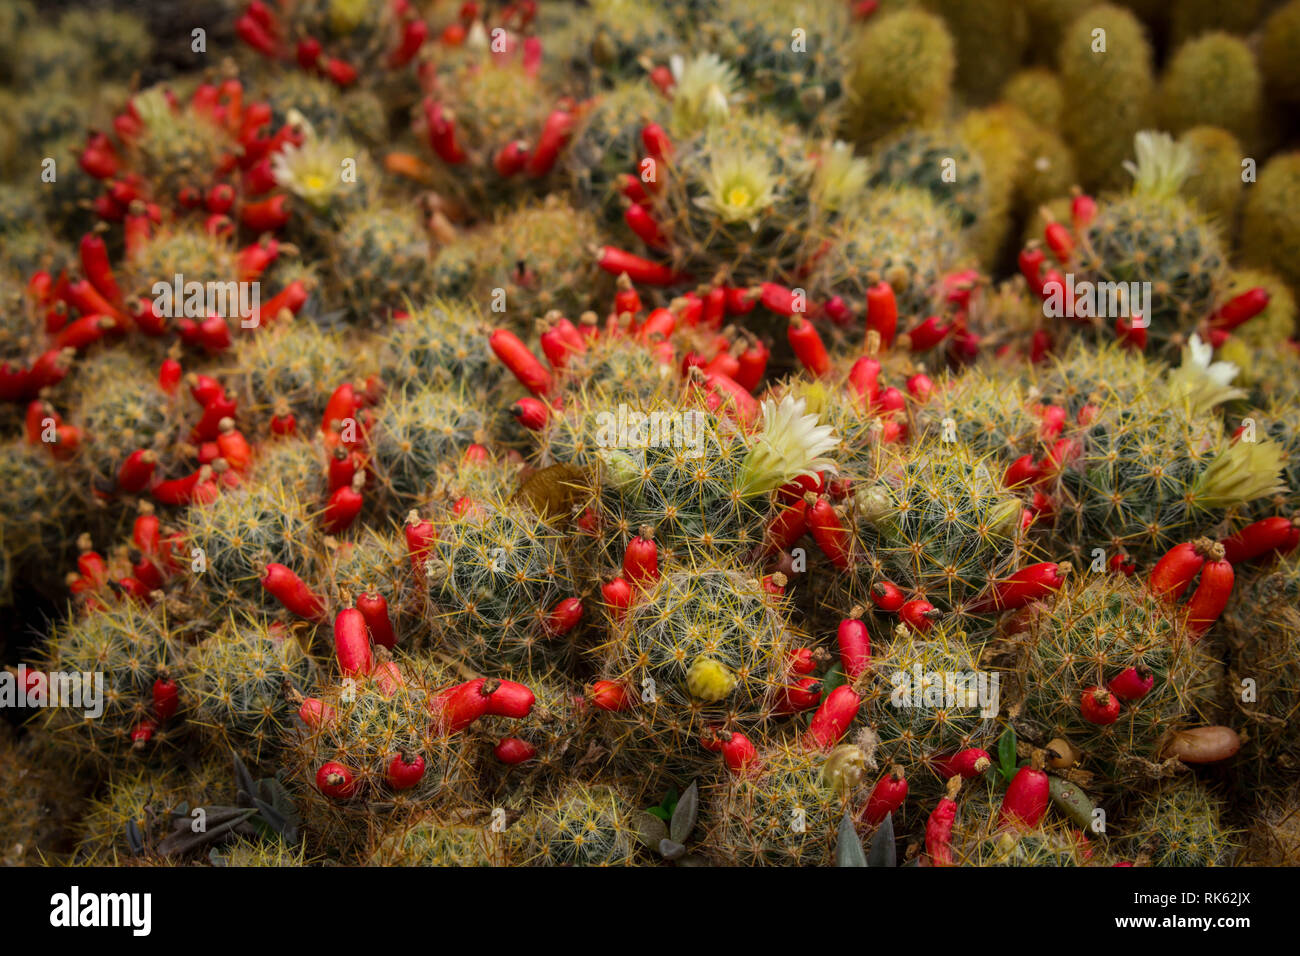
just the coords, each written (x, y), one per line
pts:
(739, 195)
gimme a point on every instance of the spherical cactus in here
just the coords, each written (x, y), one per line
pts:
(374, 563)
(1181, 824)
(239, 683)
(1037, 92)
(786, 810)
(927, 697)
(1270, 226)
(1212, 80)
(607, 145)
(417, 429)
(1108, 88)
(940, 523)
(1215, 181)
(66, 202)
(430, 841)
(38, 503)
(439, 343)
(990, 411)
(175, 148)
(128, 647)
(191, 253)
(49, 57)
(1094, 629)
(1155, 236)
(921, 245)
(239, 534)
(991, 37)
(1190, 18)
(380, 257)
(942, 165)
(296, 464)
(798, 74)
(1276, 323)
(293, 365)
(1279, 44)
(559, 733)
(901, 74)
(580, 826)
(497, 571)
(612, 40)
(117, 41)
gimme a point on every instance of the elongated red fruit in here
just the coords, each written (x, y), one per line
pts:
(864, 379)
(1240, 309)
(832, 719)
(1174, 572)
(136, 470)
(808, 346)
(352, 643)
(522, 363)
(882, 312)
(617, 594)
(919, 614)
(855, 644)
(403, 773)
(343, 507)
(787, 526)
(506, 698)
(95, 264)
(967, 764)
(618, 261)
(335, 781)
(374, 609)
(512, 751)
(1025, 803)
(887, 596)
(555, 134)
(641, 559)
(938, 826)
(802, 694)
(457, 707)
(1132, 683)
(828, 530)
(611, 696)
(166, 699)
(315, 713)
(531, 413)
(1211, 595)
(1266, 537)
(1023, 587)
(886, 796)
(420, 538)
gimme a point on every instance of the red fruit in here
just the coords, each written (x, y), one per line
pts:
(403, 773)
(374, 609)
(967, 764)
(564, 617)
(888, 596)
(233, 445)
(95, 264)
(611, 696)
(641, 559)
(617, 261)
(1031, 266)
(803, 660)
(343, 507)
(808, 347)
(508, 699)
(457, 707)
(1024, 587)
(886, 796)
(555, 134)
(919, 386)
(1240, 309)
(1022, 471)
(1130, 334)
(1132, 683)
(854, 644)
(181, 491)
(1266, 537)
(420, 538)
(335, 781)
(919, 614)
(928, 334)
(1025, 803)
(1083, 210)
(266, 215)
(644, 227)
(739, 753)
(1174, 572)
(1060, 241)
(617, 594)
(882, 312)
(166, 699)
(832, 719)
(828, 530)
(938, 827)
(531, 413)
(1099, 706)
(803, 694)
(352, 643)
(1210, 597)
(315, 713)
(521, 362)
(864, 379)
(513, 751)
(136, 470)
(143, 732)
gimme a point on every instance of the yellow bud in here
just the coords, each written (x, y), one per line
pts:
(709, 679)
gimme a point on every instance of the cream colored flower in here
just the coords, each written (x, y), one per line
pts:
(1202, 382)
(790, 443)
(739, 187)
(1162, 166)
(315, 171)
(703, 91)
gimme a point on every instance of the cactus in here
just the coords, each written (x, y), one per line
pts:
(50, 57)
(117, 42)
(1279, 41)
(236, 681)
(1191, 18)
(1155, 236)
(1093, 629)
(38, 504)
(1269, 223)
(1181, 824)
(128, 647)
(498, 569)
(1037, 92)
(607, 144)
(991, 38)
(940, 523)
(1212, 80)
(186, 251)
(581, 826)
(239, 534)
(293, 364)
(380, 260)
(431, 841)
(416, 429)
(901, 74)
(175, 148)
(1107, 94)
(1215, 181)
(786, 812)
